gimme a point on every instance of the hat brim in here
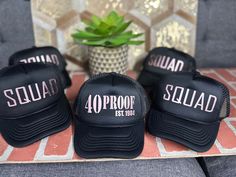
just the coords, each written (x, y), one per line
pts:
(147, 79)
(91, 141)
(23, 131)
(197, 136)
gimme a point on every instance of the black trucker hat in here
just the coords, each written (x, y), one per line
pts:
(187, 109)
(33, 104)
(161, 61)
(109, 117)
(47, 55)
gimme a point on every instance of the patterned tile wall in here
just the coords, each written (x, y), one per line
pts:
(170, 23)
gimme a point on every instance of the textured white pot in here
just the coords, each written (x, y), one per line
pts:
(103, 60)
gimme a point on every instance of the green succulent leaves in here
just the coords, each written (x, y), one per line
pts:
(109, 31)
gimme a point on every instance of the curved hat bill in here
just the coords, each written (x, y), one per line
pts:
(26, 130)
(194, 135)
(91, 141)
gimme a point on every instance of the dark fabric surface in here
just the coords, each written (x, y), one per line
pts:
(216, 34)
(221, 166)
(139, 168)
(16, 30)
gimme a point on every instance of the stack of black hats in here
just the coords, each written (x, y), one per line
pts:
(162, 61)
(48, 55)
(33, 104)
(187, 107)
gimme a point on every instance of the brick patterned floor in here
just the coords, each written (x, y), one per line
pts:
(59, 147)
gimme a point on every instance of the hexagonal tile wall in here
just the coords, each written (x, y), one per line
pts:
(170, 23)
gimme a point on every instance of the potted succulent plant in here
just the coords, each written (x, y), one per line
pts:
(107, 39)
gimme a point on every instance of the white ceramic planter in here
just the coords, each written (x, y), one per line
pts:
(103, 60)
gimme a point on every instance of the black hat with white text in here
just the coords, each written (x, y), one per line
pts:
(109, 117)
(47, 55)
(33, 104)
(187, 108)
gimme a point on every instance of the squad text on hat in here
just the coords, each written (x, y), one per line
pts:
(42, 58)
(188, 97)
(165, 62)
(31, 93)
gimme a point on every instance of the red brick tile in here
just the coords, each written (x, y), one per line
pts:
(77, 81)
(150, 147)
(132, 74)
(226, 137)
(24, 154)
(232, 111)
(224, 73)
(231, 89)
(212, 151)
(76, 157)
(233, 100)
(233, 123)
(232, 71)
(58, 143)
(171, 146)
(3, 145)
